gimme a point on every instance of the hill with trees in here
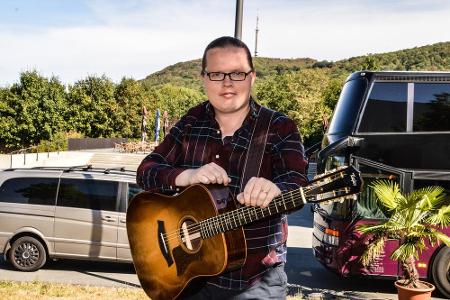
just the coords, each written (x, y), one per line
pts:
(38, 110)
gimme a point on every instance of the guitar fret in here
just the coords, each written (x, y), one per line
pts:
(292, 199)
(284, 202)
(276, 207)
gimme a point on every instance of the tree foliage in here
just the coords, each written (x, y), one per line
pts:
(38, 109)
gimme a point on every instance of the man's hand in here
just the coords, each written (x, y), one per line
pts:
(258, 192)
(207, 174)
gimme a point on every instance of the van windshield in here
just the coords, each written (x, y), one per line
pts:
(347, 107)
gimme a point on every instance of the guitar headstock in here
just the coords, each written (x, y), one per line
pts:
(334, 185)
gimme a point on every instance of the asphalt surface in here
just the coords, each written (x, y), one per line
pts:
(305, 275)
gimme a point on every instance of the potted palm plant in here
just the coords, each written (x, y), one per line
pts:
(414, 218)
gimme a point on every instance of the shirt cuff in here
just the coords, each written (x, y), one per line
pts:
(170, 181)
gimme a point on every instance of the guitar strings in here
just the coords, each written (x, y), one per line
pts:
(245, 211)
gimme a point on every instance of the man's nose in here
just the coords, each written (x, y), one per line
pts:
(227, 80)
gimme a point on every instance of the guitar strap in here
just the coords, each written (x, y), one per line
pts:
(257, 145)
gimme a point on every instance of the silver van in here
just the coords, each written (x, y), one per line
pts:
(77, 213)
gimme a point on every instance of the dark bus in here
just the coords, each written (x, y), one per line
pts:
(393, 125)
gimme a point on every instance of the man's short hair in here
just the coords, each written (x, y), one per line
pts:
(223, 42)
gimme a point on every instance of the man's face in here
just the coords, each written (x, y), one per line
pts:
(228, 96)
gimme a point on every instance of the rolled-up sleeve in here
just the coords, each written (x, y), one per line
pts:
(157, 171)
(288, 160)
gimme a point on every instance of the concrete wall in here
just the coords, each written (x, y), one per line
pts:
(50, 159)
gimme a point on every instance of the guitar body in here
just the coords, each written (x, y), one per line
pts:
(168, 253)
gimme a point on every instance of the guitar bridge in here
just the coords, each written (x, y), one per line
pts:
(163, 246)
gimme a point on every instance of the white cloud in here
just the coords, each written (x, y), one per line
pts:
(136, 38)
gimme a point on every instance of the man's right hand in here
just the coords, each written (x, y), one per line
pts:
(207, 174)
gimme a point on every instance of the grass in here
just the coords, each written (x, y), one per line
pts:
(12, 290)
(35, 290)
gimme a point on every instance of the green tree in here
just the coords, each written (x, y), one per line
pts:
(130, 98)
(173, 99)
(92, 107)
(300, 96)
(33, 110)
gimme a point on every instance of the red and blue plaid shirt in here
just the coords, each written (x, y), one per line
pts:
(196, 140)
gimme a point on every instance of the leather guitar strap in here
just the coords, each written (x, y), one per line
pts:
(257, 145)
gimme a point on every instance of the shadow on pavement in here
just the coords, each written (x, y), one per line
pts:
(305, 274)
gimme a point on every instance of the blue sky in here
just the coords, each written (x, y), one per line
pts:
(72, 39)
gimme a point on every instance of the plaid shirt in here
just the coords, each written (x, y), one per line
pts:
(196, 140)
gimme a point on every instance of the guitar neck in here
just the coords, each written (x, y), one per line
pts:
(329, 187)
(248, 214)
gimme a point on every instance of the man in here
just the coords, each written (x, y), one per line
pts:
(209, 145)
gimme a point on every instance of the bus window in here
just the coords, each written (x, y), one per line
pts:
(431, 107)
(347, 107)
(367, 206)
(385, 110)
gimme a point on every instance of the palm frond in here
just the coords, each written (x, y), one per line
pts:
(442, 237)
(404, 251)
(427, 198)
(371, 228)
(374, 250)
(441, 217)
(388, 193)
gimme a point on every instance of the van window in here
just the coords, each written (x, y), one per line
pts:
(133, 189)
(386, 108)
(90, 194)
(31, 190)
(431, 107)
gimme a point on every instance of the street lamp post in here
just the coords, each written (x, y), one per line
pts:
(238, 20)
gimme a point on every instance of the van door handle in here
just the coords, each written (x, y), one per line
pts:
(108, 219)
(122, 220)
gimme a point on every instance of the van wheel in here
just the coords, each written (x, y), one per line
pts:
(27, 254)
(441, 271)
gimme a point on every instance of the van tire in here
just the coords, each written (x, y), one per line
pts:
(27, 254)
(441, 271)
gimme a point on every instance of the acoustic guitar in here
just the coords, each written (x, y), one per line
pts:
(177, 242)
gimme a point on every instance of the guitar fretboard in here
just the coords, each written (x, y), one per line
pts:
(248, 214)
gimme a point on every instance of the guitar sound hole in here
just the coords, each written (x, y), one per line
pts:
(190, 235)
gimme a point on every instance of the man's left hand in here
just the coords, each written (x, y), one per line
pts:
(258, 192)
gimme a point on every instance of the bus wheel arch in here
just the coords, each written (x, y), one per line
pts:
(440, 271)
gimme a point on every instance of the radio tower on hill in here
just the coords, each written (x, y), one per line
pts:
(256, 34)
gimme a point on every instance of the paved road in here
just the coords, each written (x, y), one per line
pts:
(305, 274)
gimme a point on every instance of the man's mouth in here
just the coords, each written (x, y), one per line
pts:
(227, 94)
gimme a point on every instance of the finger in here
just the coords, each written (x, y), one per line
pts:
(267, 185)
(204, 179)
(221, 174)
(240, 198)
(261, 198)
(248, 191)
(258, 194)
(270, 196)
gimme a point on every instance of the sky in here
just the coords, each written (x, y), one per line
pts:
(72, 39)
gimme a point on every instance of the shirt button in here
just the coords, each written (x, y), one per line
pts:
(218, 131)
(217, 156)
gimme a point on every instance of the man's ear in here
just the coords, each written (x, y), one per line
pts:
(253, 75)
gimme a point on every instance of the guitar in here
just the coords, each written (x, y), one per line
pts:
(179, 241)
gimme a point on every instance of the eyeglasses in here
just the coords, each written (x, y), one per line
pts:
(234, 76)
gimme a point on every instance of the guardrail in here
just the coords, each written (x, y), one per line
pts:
(28, 151)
